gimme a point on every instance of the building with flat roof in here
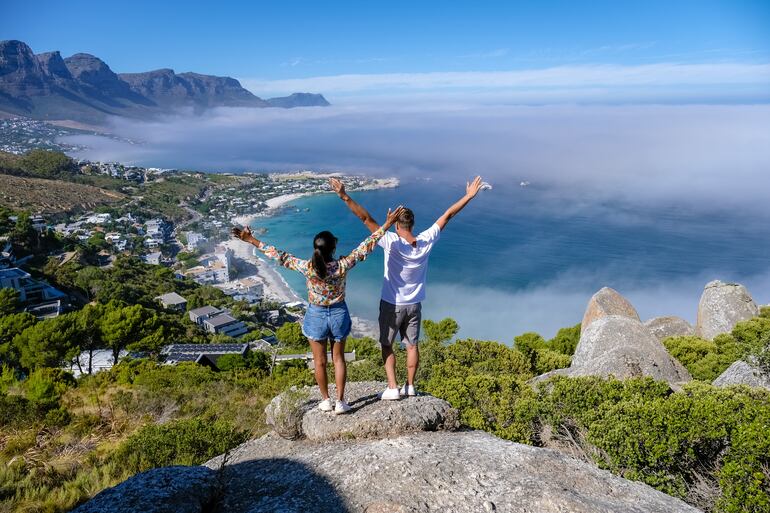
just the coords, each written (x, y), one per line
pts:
(43, 299)
(203, 354)
(172, 301)
(225, 324)
(198, 315)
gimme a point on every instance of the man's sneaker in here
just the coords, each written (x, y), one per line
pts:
(342, 407)
(391, 394)
(326, 405)
(408, 390)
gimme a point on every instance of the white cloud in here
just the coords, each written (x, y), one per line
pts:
(666, 77)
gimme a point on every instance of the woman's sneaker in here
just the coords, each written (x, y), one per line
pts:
(326, 405)
(342, 407)
(408, 390)
(391, 394)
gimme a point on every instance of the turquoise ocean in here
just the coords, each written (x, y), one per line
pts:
(518, 259)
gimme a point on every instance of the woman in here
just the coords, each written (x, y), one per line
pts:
(327, 316)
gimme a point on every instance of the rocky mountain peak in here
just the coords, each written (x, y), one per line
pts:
(52, 64)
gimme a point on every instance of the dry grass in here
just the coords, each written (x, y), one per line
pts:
(52, 196)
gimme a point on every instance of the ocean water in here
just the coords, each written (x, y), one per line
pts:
(518, 259)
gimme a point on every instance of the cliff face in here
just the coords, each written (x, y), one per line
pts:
(84, 88)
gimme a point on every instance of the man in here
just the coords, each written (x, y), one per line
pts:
(403, 287)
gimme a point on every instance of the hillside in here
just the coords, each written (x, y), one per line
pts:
(83, 88)
(52, 196)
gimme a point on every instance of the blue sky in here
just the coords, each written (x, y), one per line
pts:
(274, 45)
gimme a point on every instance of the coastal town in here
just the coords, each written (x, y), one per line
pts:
(192, 240)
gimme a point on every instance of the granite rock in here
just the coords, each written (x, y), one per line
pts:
(721, 307)
(743, 373)
(161, 490)
(294, 414)
(461, 472)
(606, 302)
(671, 326)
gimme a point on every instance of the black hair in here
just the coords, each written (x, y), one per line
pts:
(324, 245)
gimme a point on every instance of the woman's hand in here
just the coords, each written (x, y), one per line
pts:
(393, 216)
(337, 186)
(244, 234)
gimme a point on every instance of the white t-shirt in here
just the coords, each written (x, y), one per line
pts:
(406, 266)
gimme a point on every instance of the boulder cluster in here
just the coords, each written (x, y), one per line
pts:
(615, 342)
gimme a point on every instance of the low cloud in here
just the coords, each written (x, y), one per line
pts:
(490, 314)
(709, 157)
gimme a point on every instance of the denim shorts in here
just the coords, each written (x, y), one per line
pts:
(327, 322)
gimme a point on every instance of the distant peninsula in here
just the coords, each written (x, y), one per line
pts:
(84, 89)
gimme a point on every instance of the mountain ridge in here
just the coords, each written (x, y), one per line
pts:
(83, 88)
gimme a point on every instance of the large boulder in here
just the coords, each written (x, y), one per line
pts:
(461, 472)
(672, 326)
(722, 306)
(622, 347)
(294, 414)
(161, 490)
(743, 373)
(604, 303)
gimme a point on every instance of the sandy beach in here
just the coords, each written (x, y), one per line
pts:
(273, 204)
(275, 285)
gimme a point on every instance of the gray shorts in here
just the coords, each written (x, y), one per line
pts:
(403, 319)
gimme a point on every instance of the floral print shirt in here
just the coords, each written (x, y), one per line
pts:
(330, 290)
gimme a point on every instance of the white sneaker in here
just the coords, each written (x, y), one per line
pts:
(390, 394)
(326, 405)
(408, 390)
(342, 407)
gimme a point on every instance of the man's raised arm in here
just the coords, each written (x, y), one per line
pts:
(359, 211)
(471, 189)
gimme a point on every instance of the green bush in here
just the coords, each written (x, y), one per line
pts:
(16, 411)
(45, 386)
(181, 442)
(704, 359)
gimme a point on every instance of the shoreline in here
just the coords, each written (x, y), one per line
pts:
(274, 204)
(275, 285)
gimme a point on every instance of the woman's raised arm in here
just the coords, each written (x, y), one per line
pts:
(285, 259)
(368, 244)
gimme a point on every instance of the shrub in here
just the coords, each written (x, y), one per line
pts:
(16, 411)
(566, 340)
(704, 359)
(181, 442)
(44, 387)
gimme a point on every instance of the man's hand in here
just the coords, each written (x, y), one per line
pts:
(393, 216)
(473, 188)
(242, 233)
(337, 186)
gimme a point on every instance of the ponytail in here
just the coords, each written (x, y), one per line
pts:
(324, 245)
(319, 263)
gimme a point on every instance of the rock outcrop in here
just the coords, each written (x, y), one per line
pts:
(459, 472)
(354, 466)
(294, 414)
(604, 303)
(614, 342)
(622, 347)
(672, 326)
(722, 306)
(161, 490)
(743, 373)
